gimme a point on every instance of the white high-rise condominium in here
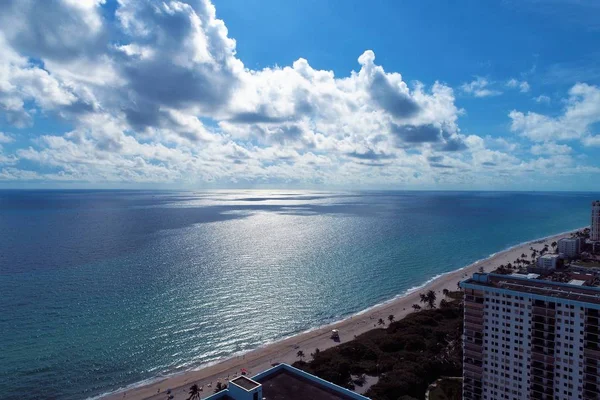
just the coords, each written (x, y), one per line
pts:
(595, 227)
(528, 338)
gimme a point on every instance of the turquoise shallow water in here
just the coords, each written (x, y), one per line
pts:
(104, 289)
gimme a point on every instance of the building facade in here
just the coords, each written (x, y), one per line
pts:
(547, 262)
(569, 247)
(595, 226)
(530, 339)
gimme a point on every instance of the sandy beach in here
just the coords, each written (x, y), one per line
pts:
(285, 351)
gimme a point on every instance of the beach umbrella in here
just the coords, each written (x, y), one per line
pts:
(244, 371)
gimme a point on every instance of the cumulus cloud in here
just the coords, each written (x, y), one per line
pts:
(57, 30)
(479, 88)
(21, 82)
(156, 93)
(550, 148)
(581, 112)
(542, 99)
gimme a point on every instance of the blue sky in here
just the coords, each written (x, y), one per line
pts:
(306, 94)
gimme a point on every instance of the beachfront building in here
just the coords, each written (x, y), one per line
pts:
(547, 262)
(569, 247)
(595, 227)
(527, 338)
(284, 382)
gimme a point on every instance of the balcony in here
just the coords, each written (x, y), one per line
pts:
(544, 312)
(475, 321)
(593, 352)
(473, 327)
(474, 313)
(472, 304)
(591, 361)
(473, 368)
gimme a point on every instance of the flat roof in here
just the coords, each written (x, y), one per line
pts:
(284, 385)
(245, 382)
(538, 286)
(526, 276)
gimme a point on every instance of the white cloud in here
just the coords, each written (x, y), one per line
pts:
(523, 86)
(582, 110)
(171, 102)
(479, 88)
(542, 99)
(6, 138)
(592, 141)
(550, 148)
(499, 143)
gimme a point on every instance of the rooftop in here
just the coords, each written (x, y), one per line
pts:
(284, 382)
(284, 385)
(544, 287)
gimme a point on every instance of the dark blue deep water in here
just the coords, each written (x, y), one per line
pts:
(103, 289)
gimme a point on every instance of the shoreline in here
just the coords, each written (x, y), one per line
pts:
(285, 349)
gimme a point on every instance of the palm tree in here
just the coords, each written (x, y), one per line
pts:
(429, 298)
(194, 392)
(391, 318)
(509, 266)
(316, 353)
(481, 269)
(554, 244)
(416, 307)
(300, 354)
(381, 322)
(523, 255)
(444, 303)
(445, 292)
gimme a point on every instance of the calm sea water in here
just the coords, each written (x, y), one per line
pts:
(103, 289)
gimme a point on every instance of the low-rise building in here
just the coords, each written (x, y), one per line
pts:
(284, 382)
(547, 262)
(569, 247)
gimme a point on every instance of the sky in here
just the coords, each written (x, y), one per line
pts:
(316, 94)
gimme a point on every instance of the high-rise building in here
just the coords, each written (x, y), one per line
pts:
(530, 337)
(595, 227)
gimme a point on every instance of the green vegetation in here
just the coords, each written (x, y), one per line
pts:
(429, 299)
(457, 295)
(447, 389)
(407, 356)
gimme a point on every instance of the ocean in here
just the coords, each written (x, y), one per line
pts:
(101, 290)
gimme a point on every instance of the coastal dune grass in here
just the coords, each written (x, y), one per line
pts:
(407, 355)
